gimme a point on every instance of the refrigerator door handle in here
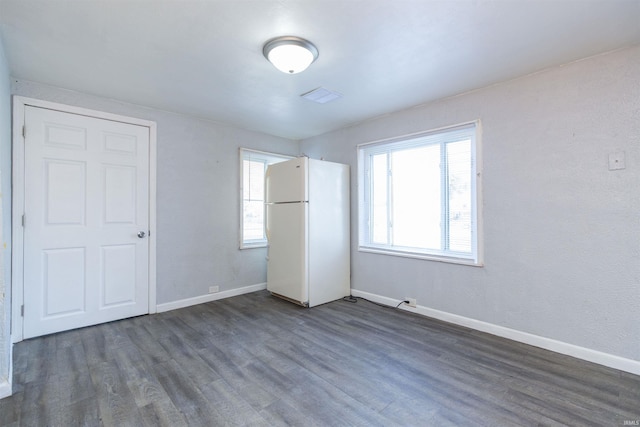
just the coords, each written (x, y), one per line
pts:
(266, 222)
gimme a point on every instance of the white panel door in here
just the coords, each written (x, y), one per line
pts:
(86, 201)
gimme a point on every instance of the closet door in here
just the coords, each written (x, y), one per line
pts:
(86, 251)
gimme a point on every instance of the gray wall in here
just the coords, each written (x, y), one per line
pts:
(198, 182)
(5, 197)
(561, 231)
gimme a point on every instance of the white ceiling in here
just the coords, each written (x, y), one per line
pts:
(204, 58)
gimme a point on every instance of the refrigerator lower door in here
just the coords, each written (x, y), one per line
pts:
(287, 261)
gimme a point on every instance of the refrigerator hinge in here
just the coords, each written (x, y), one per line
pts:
(24, 220)
(24, 131)
(22, 310)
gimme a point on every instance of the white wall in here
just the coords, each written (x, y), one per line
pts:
(5, 220)
(561, 231)
(198, 183)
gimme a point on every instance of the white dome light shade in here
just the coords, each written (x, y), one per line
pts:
(290, 58)
(290, 54)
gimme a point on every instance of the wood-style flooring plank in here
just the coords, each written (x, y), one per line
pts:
(185, 396)
(117, 405)
(198, 371)
(255, 360)
(148, 344)
(235, 410)
(162, 413)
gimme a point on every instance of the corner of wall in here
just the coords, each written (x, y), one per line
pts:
(5, 225)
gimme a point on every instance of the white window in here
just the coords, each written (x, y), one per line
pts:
(253, 165)
(419, 195)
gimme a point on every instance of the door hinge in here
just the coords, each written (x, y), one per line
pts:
(24, 131)
(22, 310)
(24, 220)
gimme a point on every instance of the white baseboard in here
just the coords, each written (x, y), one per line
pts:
(5, 388)
(606, 359)
(168, 306)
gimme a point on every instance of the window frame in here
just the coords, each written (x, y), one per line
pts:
(269, 158)
(434, 136)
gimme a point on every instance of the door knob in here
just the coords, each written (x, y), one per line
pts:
(141, 234)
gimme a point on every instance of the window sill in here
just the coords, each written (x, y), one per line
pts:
(427, 257)
(252, 245)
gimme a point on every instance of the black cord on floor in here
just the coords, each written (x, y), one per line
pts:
(354, 300)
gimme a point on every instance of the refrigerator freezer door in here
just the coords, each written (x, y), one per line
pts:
(287, 262)
(286, 181)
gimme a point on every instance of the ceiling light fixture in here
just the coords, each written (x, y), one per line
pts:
(290, 54)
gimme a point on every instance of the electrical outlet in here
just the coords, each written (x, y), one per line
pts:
(412, 302)
(214, 289)
(616, 161)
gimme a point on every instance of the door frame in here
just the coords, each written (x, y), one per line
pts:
(18, 195)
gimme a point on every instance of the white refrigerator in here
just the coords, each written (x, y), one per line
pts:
(308, 233)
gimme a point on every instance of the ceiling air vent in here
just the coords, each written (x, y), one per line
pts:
(321, 95)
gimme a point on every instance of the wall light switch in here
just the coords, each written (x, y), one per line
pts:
(616, 161)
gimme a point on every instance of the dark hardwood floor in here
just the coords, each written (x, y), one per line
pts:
(255, 360)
